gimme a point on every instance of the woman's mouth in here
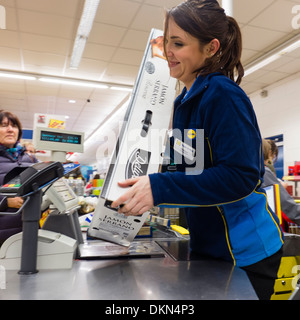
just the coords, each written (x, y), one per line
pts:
(173, 64)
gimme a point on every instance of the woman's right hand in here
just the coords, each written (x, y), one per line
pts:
(16, 202)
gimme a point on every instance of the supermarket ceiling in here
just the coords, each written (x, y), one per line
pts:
(39, 38)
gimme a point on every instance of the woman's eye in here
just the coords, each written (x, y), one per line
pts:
(177, 44)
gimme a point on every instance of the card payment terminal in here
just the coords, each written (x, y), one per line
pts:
(23, 181)
(28, 182)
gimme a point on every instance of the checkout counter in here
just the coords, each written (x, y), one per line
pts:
(157, 268)
(145, 278)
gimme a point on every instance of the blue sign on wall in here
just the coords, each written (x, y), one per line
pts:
(27, 134)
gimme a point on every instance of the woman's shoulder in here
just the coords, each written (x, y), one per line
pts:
(4, 156)
(223, 85)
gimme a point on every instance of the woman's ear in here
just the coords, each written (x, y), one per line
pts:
(213, 47)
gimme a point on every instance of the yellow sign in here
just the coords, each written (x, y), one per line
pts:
(57, 124)
(191, 134)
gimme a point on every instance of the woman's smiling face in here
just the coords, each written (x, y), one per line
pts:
(184, 54)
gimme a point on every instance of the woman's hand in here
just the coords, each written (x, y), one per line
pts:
(138, 199)
(16, 202)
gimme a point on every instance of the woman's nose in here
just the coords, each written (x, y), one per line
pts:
(10, 127)
(169, 52)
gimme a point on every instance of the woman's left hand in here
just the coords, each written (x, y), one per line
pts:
(16, 202)
(138, 199)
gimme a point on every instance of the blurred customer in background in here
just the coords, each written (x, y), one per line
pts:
(12, 155)
(289, 208)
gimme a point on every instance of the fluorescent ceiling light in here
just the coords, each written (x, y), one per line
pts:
(295, 45)
(88, 84)
(17, 76)
(261, 64)
(228, 7)
(121, 88)
(272, 56)
(83, 31)
(64, 80)
(78, 49)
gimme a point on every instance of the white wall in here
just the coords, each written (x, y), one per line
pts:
(279, 113)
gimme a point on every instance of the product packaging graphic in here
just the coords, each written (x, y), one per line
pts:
(141, 143)
(109, 225)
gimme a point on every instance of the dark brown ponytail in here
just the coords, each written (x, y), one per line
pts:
(206, 20)
(230, 59)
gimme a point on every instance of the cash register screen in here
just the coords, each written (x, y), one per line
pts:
(62, 196)
(58, 140)
(60, 137)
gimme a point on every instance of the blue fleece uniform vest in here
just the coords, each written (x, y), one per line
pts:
(226, 209)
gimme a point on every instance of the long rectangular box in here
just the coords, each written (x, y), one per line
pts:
(141, 143)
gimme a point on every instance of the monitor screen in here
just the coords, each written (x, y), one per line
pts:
(60, 137)
(58, 140)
